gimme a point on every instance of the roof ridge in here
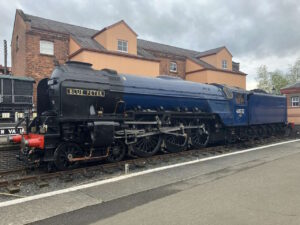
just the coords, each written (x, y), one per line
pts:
(201, 62)
(112, 25)
(58, 22)
(294, 85)
(185, 49)
(212, 49)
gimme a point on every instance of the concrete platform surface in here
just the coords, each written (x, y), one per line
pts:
(256, 187)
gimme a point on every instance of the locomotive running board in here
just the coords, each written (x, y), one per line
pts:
(142, 122)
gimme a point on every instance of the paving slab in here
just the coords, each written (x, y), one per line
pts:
(46, 207)
(150, 187)
(267, 194)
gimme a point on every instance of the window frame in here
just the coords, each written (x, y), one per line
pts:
(42, 51)
(224, 62)
(240, 98)
(170, 67)
(122, 46)
(292, 102)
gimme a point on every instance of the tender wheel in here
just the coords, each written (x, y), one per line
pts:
(116, 152)
(199, 137)
(175, 143)
(64, 152)
(147, 146)
(260, 132)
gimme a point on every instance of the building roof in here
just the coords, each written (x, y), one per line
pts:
(84, 37)
(115, 24)
(81, 35)
(292, 86)
(211, 52)
(154, 46)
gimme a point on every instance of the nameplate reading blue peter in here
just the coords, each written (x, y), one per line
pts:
(85, 92)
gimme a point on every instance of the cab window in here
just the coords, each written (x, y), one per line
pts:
(240, 99)
(228, 93)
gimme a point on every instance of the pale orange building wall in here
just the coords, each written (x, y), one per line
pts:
(73, 46)
(294, 115)
(109, 38)
(211, 59)
(216, 59)
(119, 63)
(210, 76)
(101, 39)
(192, 66)
(224, 55)
(199, 77)
(226, 78)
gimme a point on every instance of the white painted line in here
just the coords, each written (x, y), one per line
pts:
(123, 177)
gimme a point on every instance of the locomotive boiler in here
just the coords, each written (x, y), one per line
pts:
(86, 114)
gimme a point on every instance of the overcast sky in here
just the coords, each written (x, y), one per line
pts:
(256, 32)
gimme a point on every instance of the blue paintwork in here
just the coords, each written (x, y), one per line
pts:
(151, 93)
(171, 93)
(265, 108)
(239, 111)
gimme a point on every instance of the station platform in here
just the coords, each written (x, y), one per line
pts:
(257, 186)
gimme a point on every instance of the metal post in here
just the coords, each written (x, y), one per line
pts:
(5, 57)
(126, 168)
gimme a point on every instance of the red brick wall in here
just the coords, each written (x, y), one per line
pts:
(39, 66)
(165, 59)
(164, 67)
(293, 112)
(18, 54)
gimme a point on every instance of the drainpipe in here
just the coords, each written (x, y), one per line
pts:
(5, 57)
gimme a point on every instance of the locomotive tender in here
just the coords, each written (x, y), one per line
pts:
(85, 114)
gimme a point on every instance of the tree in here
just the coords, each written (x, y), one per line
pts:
(294, 73)
(263, 78)
(270, 81)
(278, 81)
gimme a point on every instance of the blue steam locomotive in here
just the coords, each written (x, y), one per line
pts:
(86, 114)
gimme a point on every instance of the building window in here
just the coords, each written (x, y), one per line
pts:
(47, 47)
(122, 46)
(17, 43)
(173, 67)
(224, 64)
(295, 101)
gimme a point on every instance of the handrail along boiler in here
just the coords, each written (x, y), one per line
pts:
(86, 114)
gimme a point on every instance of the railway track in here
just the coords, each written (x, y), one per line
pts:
(8, 161)
(13, 180)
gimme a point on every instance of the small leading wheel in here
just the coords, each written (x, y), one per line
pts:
(199, 137)
(117, 152)
(147, 146)
(64, 153)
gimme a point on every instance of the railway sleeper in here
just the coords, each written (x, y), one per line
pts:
(12, 188)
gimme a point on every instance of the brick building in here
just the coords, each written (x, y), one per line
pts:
(38, 44)
(292, 93)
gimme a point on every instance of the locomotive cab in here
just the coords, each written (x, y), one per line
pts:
(238, 103)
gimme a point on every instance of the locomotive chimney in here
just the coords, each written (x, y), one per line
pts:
(5, 57)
